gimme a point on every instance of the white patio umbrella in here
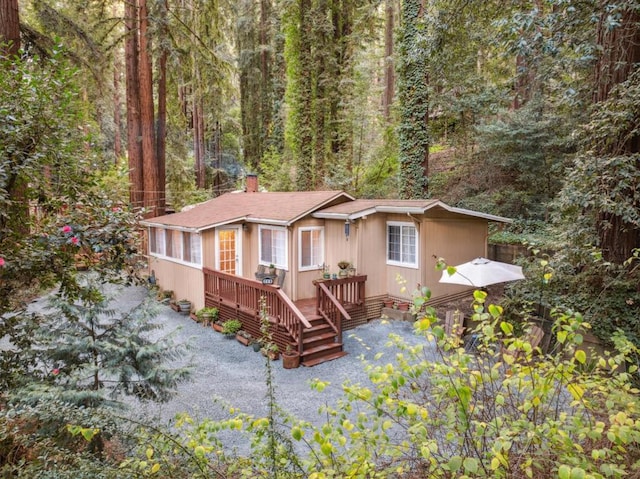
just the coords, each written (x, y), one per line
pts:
(482, 272)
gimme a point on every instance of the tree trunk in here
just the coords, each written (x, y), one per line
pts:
(198, 142)
(16, 184)
(117, 120)
(149, 160)
(389, 73)
(620, 55)
(9, 27)
(161, 130)
(134, 135)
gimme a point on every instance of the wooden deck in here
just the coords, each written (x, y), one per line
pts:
(312, 326)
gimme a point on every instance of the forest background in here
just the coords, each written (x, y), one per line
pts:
(528, 109)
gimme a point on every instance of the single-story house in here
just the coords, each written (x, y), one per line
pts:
(218, 253)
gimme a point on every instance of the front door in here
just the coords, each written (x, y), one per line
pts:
(228, 250)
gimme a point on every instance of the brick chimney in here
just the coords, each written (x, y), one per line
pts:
(252, 183)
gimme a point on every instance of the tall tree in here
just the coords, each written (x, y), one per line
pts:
(617, 67)
(389, 71)
(9, 28)
(414, 100)
(134, 134)
(145, 142)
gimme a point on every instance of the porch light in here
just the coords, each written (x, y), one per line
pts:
(347, 228)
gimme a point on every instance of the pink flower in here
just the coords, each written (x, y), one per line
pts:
(75, 240)
(55, 372)
(66, 229)
(2, 262)
(115, 209)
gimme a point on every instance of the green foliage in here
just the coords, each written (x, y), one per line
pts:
(517, 170)
(413, 84)
(211, 313)
(579, 278)
(231, 326)
(41, 153)
(88, 353)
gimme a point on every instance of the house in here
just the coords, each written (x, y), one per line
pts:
(217, 253)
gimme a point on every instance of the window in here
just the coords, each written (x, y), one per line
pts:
(273, 246)
(402, 244)
(191, 248)
(178, 245)
(311, 247)
(173, 246)
(156, 241)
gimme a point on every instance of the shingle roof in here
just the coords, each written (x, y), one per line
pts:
(359, 208)
(271, 208)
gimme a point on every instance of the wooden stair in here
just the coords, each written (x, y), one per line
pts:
(319, 341)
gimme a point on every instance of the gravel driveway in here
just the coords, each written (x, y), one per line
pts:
(226, 373)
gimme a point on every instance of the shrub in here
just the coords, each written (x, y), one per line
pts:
(232, 326)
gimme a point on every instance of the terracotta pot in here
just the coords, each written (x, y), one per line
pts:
(242, 340)
(290, 360)
(388, 303)
(217, 327)
(403, 306)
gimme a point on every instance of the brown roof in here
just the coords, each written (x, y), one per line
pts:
(275, 208)
(359, 208)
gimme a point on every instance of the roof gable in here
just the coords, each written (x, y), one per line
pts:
(360, 208)
(280, 208)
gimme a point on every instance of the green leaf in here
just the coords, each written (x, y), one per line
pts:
(506, 328)
(577, 473)
(564, 472)
(454, 463)
(297, 433)
(581, 356)
(470, 465)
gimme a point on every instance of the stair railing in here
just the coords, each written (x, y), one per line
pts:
(329, 307)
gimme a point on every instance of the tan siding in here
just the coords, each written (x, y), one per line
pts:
(209, 249)
(457, 241)
(184, 281)
(371, 236)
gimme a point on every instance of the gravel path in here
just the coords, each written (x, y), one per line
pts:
(228, 373)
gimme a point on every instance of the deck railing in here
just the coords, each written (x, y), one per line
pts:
(335, 297)
(245, 295)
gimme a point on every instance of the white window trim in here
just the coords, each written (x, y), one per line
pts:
(417, 255)
(312, 267)
(284, 266)
(170, 258)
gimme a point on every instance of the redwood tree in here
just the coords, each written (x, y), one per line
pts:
(9, 28)
(619, 233)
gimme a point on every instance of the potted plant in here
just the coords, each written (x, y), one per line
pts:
(343, 266)
(387, 303)
(256, 345)
(165, 296)
(290, 358)
(231, 327)
(272, 269)
(184, 305)
(271, 351)
(207, 315)
(325, 272)
(243, 337)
